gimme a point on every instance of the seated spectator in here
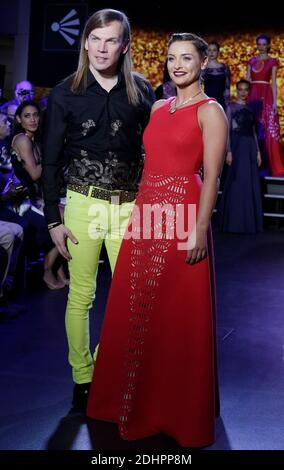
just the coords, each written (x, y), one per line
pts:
(5, 131)
(26, 160)
(24, 91)
(11, 236)
(2, 99)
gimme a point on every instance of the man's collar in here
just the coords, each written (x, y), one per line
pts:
(91, 80)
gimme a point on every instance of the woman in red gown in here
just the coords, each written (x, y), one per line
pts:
(156, 365)
(263, 97)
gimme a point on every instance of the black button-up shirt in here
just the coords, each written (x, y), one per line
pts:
(99, 132)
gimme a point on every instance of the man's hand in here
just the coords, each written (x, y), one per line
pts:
(59, 235)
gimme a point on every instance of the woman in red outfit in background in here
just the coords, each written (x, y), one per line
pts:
(262, 70)
(156, 365)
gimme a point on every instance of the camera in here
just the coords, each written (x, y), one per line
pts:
(26, 94)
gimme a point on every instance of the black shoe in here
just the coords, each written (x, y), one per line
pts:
(80, 397)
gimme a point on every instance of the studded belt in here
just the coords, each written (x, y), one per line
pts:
(118, 196)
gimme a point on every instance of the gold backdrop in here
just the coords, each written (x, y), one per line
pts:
(149, 55)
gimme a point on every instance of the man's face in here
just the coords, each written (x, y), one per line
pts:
(5, 128)
(24, 91)
(105, 46)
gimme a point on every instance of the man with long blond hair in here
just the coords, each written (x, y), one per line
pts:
(98, 115)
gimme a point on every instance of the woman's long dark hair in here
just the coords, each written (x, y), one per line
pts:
(17, 127)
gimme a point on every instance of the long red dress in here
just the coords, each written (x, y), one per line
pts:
(261, 97)
(156, 366)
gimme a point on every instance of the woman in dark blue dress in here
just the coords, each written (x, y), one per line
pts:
(217, 76)
(240, 206)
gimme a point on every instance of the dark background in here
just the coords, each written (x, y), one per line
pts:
(47, 67)
(199, 15)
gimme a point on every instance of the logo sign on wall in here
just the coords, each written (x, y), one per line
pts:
(63, 25)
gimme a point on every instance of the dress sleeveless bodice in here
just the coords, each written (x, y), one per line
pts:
(179, 150)
(262, 69)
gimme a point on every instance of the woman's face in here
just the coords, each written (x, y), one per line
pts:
(184, 63)
(262, 45)
(243, 91)
(29, 119)
(213, 52)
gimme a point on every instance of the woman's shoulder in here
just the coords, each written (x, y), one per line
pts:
(274, 62)
(158, 104)
(21, 142)
(207, 102)
(232, 105)
(209, 109)
(20, 138)
(252, 60)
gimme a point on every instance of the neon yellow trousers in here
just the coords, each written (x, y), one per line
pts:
(93, 222)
